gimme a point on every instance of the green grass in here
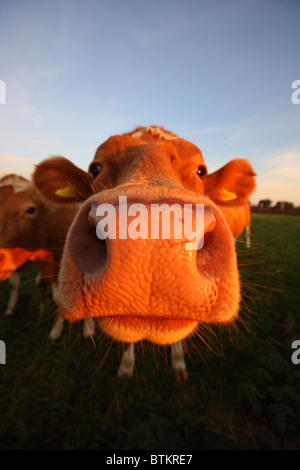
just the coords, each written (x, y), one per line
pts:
(242, 393)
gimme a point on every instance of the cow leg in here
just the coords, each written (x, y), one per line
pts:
(127, 363)
(58, 323)
(14, 284)
(42, 285)
(55, 295)
(247, 236)
(47, 277)
(178, 363)
(57, 328)
(88, 328)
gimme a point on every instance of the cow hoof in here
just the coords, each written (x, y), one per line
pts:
(9, 313)
(53, 339)
(54, 336)
(125, 372)
(181, 375)
(56, 330)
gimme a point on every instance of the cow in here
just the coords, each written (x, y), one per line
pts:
(13, 261)
(31, 228)
(155, 289)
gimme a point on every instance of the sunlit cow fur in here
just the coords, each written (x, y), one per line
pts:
(230, 187)
(28, 221)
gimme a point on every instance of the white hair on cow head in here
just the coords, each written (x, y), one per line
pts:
(19, 183)
(156, 131)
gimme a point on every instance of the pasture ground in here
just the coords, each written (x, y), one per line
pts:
(243, 391)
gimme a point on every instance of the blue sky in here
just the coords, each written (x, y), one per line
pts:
(217, 73)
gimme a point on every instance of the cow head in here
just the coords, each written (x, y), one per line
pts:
(145, 288)
(20, 206)
(29, 221)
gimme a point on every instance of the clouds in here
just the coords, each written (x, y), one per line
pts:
(268, 142)
(218, 75)
(15, 164)
(280, 180)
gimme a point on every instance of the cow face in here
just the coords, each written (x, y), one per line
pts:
(29, 221)
(144, 288)
(18, 215)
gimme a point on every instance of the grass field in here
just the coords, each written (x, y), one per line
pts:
(243, 391)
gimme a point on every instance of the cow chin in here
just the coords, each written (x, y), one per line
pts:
(156, 330)
(155, 290)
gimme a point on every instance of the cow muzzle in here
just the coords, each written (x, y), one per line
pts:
(149, 265)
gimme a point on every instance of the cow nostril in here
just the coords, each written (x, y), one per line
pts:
(88, 252)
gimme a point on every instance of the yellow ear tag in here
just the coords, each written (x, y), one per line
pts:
(65, 192)
(225, 195)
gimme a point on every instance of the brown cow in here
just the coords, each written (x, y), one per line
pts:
(28, 221)
(152, 289)
(19, 183)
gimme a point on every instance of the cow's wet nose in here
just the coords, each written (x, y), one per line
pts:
(133, 242)
(145, 287)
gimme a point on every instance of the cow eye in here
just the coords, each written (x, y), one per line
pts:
(95, 169)
(30, 210)
(201, 171)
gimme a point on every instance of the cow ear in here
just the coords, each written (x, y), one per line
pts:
(60, 181)
(232, 184)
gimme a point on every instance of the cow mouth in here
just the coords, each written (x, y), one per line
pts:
(154, 329)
